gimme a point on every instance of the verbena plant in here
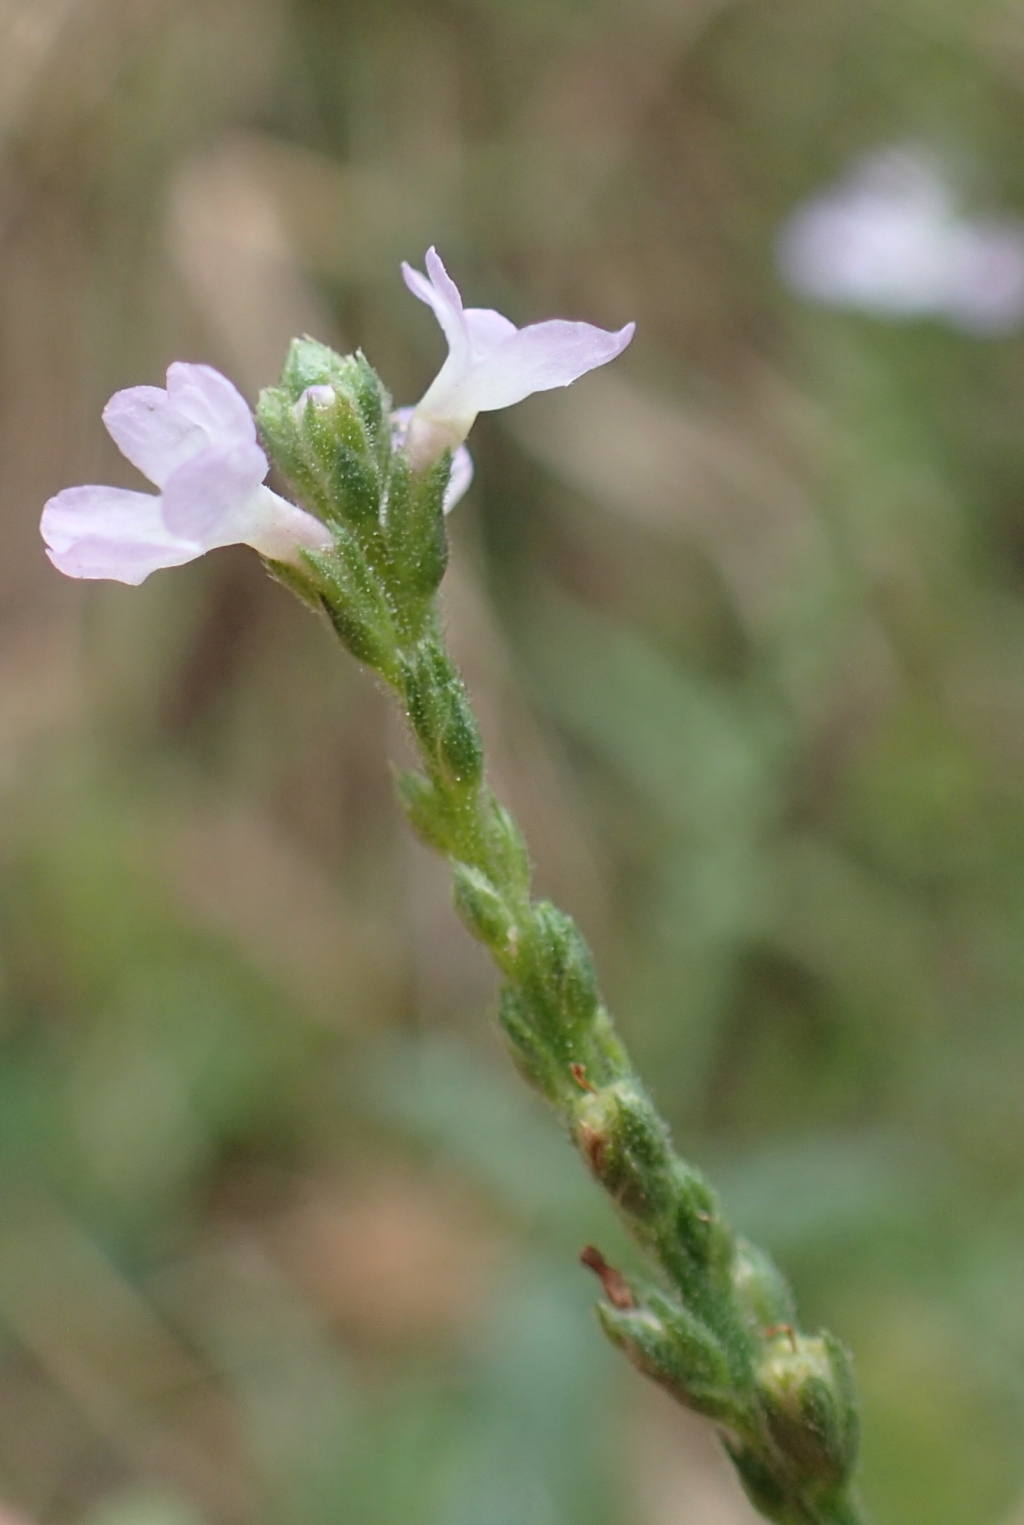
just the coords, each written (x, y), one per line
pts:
(365, 544)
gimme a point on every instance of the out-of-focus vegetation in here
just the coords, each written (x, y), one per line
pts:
(280, 1238)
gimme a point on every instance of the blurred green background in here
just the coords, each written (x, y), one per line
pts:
(282, 1239)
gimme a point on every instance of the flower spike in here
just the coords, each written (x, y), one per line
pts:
(491, 363)
(196, 441)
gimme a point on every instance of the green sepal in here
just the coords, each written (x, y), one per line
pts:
(356, 489)
(762, 1485)
(805, 1384)
(355, 604)
(309, 364)
(374, 403)
(340, 441)
(427, 811)
(760, 1288)
(282, 436)
(697, 1224)
(627, 1147)
(485, 913)
(297, 580)
(440, 714)
(674, 1347)
(531, 1055)
(414, 529)
(507, 853)
(607, 1043)
(559, 974)
(844, 1386)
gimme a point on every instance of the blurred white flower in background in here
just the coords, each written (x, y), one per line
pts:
(889, 240)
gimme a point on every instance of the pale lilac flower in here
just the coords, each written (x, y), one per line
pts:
(890, 240)
(491, 363)
(196, 441)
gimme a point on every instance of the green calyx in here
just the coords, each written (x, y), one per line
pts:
(677, 1350)
(327, 428)
(760, 1288)
(486, 913)
(626, 1146)
(415, 528)
(805, 1383)
(441, 717)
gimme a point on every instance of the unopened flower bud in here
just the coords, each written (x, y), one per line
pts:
(532, 1056)
(561, 975)
(355, 604)
(668, 1343)
(485, 912)
(427, 810)
(508, 850)
(414, 528)
(327, 428)
(314, 397)
(440, 714)
(626, 1146)
(805, 1383)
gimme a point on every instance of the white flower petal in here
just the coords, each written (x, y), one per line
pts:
(889, 240)
(986, 294)
(487, 328)
(460, 479)
(197, 440)
(153, 434)
(316, 397)
(205, 499)
(442, 295)
(537, 358)
(442, 281)
(111, 533)
(868, 253)
(160, 430)
(492, 364)
(211, 401)
(418, 284)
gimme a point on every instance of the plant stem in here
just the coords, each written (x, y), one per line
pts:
(718, 1331)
